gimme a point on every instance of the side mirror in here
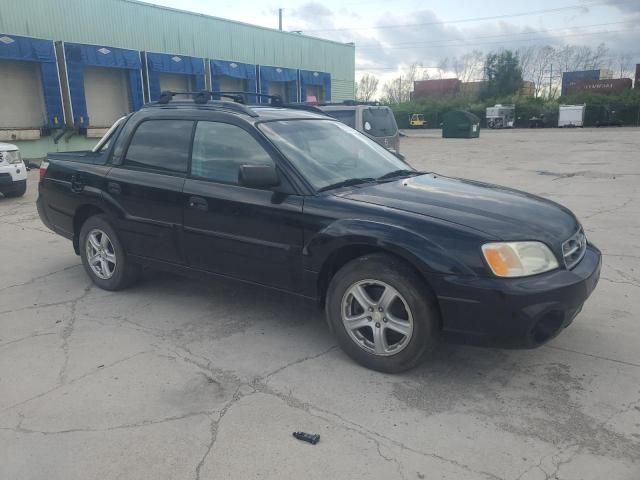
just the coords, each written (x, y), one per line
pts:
(258, 176)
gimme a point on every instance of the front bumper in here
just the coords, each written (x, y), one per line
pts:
(16, 172)
(519, 312)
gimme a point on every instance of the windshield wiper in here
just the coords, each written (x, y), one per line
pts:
(347, 183)
(397, 173)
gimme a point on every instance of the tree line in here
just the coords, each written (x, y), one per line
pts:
(502, 71)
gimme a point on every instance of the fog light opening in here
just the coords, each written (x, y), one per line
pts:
(547, 327)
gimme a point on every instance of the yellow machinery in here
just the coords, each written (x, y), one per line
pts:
(416, 120)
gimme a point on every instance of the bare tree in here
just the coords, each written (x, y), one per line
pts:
(399, 89)
(623, 65)
(443, 67)
(367, 88)
(469, 67)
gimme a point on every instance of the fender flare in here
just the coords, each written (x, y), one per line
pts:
(418, 250)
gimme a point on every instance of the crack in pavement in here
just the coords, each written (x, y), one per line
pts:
(144, 423)
(376, 437)
(215, 425)
(621, 282)
(22, 339)
(72, 381)
(41, 277)
(66, 334)
(610, 209)
(599, 357)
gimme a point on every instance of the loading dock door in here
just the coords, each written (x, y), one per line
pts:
(279, 81)
(30, 94)
(21, 95)
(316, 92)
(230, 84)
(279, 88)
(316, 84)
(107, 93)
(234, 77)
(102, 81)
(177, 73)
(176, 82)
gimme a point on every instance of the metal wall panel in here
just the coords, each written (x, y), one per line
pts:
(134, 25)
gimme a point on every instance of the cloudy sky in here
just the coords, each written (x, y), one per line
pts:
(389, 35)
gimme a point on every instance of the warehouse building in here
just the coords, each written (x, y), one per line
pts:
(70, 68)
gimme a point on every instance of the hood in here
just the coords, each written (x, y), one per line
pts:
(7, 147)
(500, 212)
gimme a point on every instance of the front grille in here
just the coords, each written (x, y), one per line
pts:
(573, 248)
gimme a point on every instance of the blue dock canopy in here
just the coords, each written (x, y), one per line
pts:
(14, 47)
(288, 76)
(242, 71)
(157, 63)
(309, 77)
(79, 56)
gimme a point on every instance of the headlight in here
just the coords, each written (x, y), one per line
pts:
(518, 259)
(13, 156)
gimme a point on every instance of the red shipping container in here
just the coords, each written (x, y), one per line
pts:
(599, 86)
(432, 88)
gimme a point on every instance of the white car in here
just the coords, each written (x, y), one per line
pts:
(13, 171)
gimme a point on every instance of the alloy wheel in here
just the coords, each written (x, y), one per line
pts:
(101, 254)
(377, 317)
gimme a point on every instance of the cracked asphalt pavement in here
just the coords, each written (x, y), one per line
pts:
(188, 379)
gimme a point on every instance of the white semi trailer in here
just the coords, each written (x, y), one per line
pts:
(571, 116)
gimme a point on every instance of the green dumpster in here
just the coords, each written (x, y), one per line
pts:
(460, 124)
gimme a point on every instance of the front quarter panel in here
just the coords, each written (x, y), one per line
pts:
(433, 246)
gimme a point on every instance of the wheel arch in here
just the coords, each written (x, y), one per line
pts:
(83, 213)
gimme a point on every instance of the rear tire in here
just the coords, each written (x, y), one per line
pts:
(103, 255)
(406, 328)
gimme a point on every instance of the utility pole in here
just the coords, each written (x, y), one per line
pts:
(550, 80)
(280, 19)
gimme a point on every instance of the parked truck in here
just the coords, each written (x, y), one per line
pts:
(291, 199)
(571, 116)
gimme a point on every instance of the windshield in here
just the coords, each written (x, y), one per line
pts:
(328, 152)
(379, 122)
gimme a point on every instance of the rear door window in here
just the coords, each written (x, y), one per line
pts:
(379, 122)
(348, 117)
(161, 145)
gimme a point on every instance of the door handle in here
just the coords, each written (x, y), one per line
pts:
(198, 203)
(114, 188)
(77, 183)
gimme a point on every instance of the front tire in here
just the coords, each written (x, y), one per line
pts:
(382, 313)
(103, 256)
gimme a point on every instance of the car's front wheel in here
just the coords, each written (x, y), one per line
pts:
(103, 255)
(382, 313)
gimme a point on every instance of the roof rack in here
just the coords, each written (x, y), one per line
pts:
(238, 103)
(350, 103)
(203, 96)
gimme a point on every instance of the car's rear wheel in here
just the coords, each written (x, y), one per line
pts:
(103, 256)
(382, 313)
